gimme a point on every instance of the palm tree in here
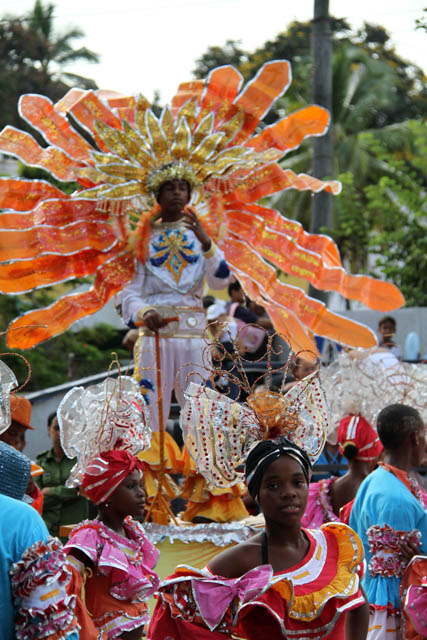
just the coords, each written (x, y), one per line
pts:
(59, 50)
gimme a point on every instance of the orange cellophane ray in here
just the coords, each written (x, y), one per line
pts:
(29, 243)
(312, 313)
(223, 86)
(186, 91)
(53, 212)
(116, 100)
(320, 244)
(25, 275)
(259, 94)
(109, 279)
(40, 112)
(66, 102)
(272, 178)
(291, 328)
(284, 253)
(23, 146)
(284, 320)
(88, 109)
(288, 133)
(24, 195)
(127, 113)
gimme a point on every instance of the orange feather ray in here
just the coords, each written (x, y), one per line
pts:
(311, 313)
(272, 178)
(23, 146)
(284, 320)
(271, 218)
(186, 91)
(71, 97)
(88, 109)
(29, 243)
(57, 213)
(24, 195)
(223, 86)
(291, 258)
(53, 320)
(259, 94)
(24, 275)
(40, 112)
(288, 133)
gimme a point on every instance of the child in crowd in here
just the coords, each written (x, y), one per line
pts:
(105, 426)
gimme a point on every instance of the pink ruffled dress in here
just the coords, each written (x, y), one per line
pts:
(319, 507)
(116, 590)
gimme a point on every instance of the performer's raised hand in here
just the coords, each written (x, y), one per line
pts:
(191, 221)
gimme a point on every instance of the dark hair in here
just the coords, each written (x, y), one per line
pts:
(350, 450)
(233, 286)
(50, 418)
(395, 423)
(207, 301)
(389, 319)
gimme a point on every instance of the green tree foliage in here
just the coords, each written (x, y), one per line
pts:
(67, 357)
(397, 204)
(59, 48)
(33, 57)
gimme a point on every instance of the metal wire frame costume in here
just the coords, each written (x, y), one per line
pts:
(209, 137)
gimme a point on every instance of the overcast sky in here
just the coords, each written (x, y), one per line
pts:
(146, 45)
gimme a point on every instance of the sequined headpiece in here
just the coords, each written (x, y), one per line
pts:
(7, 383)
(102, 417)
(219, 432)
(362, 382)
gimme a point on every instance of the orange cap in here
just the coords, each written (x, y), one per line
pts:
(20, 409)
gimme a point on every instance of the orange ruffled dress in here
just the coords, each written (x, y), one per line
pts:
(115, 593)
(307, 601)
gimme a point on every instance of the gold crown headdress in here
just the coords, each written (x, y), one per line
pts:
(212, 136)
(219, 432)
(109, 415)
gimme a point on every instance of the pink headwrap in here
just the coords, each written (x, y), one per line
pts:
(106, 472)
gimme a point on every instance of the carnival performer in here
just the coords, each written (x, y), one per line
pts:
(360, 445)
(390, 516)
(113, 563)
(413, 595)
(286, 580)
(179, 256)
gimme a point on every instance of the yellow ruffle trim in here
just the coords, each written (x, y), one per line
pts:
(344, 584)
(151, 457)
(225, 508)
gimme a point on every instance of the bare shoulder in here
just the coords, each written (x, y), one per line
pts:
(236, 561)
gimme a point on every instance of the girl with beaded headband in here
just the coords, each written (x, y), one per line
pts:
(287, 581)
(105, 426)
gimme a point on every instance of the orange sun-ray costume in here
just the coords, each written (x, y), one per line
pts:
(209, 137)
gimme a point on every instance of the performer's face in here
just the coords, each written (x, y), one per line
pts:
(283, 492)
(129, 498)
(173, 196)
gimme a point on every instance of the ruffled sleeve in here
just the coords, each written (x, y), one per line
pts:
(39, 587)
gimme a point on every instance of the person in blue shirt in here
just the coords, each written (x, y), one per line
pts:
(390, 516)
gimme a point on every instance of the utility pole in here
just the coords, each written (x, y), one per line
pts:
(321, 211)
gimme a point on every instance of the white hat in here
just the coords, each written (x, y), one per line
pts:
(216, 310)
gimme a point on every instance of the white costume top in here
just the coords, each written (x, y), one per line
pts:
(174, 272)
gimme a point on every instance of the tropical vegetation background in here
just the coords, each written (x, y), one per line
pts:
(380, 150)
